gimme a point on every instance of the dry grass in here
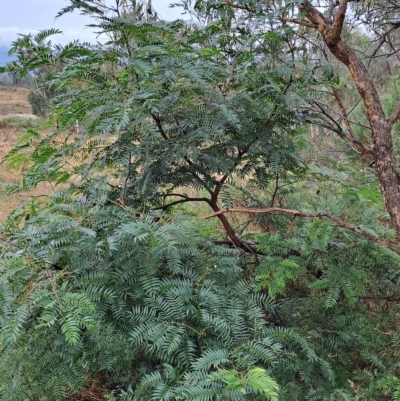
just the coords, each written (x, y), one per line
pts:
(95, 391)
(15, 114)
(13, 101)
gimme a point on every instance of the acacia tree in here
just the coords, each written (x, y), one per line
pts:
(382, 19)
(113, 285)
(217, 115)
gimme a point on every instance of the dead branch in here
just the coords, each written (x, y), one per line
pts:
(178, 202)
(298, 22)
(393, 246)
(357, 145)
(396, 114)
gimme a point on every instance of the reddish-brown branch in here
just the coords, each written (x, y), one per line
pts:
(333, 36)
(380, 125)
(177, 202)
(298, 22)
(396, 114)
(393, 246)
(276, 190)
(221, 182)
(228, 228)
(234, 240)
(160, 127)
(217, 190)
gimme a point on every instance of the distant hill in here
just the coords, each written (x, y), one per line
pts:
(4, 57)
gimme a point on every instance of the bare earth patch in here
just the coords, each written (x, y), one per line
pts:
(14, 100)
(25, 115)
(14, 105)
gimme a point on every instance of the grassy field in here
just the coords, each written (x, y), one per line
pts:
(15, 115)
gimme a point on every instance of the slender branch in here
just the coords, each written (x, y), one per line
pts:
(344, 112)
(228, 243)
(393, 246)
(168, 195)
(164, 207)
(357, 144)
(319, 103)
(381, 43)
(396, 114)
(339, 131)
(126, 180)
(388, 298)
(276, 190)
(120, 204)
(221, 182)
(298, 22)
(159, 126)
(188, 161)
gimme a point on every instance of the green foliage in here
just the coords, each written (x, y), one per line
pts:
(113, 279)
(20, 122)
(39, 103)
(180, 303)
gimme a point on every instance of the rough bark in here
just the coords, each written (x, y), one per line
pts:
(380, 125)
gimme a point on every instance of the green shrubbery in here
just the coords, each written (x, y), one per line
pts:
(117, 280)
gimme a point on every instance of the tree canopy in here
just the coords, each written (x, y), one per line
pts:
(225, 218)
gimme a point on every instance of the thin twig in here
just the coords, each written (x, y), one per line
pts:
(164, 207)
(276, 190)
(393, 118)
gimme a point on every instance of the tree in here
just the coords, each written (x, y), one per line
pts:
(117, 283)
(381, 125)
(330, 27)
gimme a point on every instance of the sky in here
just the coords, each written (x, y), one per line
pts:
(24, 16)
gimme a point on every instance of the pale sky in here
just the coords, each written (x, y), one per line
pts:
(24, 16)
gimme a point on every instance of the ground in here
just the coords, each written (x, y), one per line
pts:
(14, 110)
(14, 101)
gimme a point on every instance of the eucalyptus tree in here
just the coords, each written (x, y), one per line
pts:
(330, 20)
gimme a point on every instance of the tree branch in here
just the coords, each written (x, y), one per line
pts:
(276, 190)
(396, 114)
(159, 126)
(177, 202)
(393, 246)
(298, 22)
(221, 182)
(344, 112)
(388, 298)
(188, 161)
(334, 35)
(354, 142)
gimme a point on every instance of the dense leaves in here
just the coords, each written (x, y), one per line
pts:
(116, 281)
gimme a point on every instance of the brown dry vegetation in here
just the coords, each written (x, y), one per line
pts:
(13, 103)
